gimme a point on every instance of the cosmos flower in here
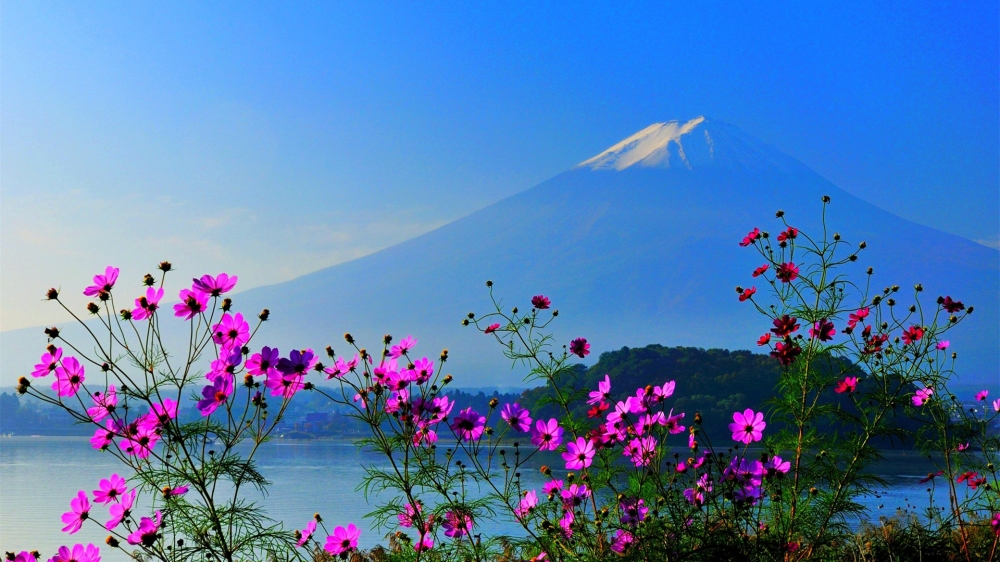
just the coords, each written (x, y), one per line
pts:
(748, 426)
(541, 302)
(121, 510)
(552, 486)
(922, 396)
(343, 540)
(48, 362)
(191, 304)
(409, 512)
(774, 466)
(517, 417)
(579, 347)
(547, 436)
(215, 395)
(784, 326)
(104, 404)
(78, 513)
(491, 328)
(231, 332)
(469, 424)
(849, 384)
(788, 234)
(912, 334)
(528, 503)
(215, 286)
(145, 533)
(264, 363)
(579, 454)
(69, 377)
(760, 270)
(342, 367)
(856, 317)
(103, 283)
(146, 305)
(750, 237)
(982, 394)
(952, 305)
(457, 524)
(78, 553)
(603, 392)
(404, 347)
(786, 352)
(110, 489)
(942, 345)
(787, 272)
(306, 534)
(634, 510)
(764, 340)
(747, 293)
(822, 330)
(623, 538)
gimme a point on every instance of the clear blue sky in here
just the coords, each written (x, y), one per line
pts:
(275, 140)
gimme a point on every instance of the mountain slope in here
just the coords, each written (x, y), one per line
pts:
(637, 245)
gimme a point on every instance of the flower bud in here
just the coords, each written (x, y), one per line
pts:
(148, 280)
(52, 294)
(918, 287)
(227, 304)
(52, 332)
(913, 308)
(329, 352)
(489, 283)
(447, 379)
(307, 386)
(555, 313)
(264, 315)
(969, 310)
(126, 314)
(164, 266)
(513, 310)
(493, 402)
(836, 236)
(110, 541)
(22, 385)
(317, 518)
(871, 270)
(465, 321)
(739, 289)
(863, 245)
(779, 214)
(697, 418)
(248, 380)
(546, 470)
(349, 338)
(93, 308)
(444, 354)
(387, 339)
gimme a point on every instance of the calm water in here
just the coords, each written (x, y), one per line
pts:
(39, 475)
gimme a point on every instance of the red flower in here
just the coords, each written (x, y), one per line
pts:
(749, 238)
(579, 347)
(541, 302)
(849, 384)
(747, 293)
(874, 344)
(823, 330)
(491, 328)
(596, 411)
(789, 234)
(952, 306)
(858, 316)
(784, 326)
(912, 334)
(786, 352)
(973, 478)
(787, 272)
(764, 340)
(760, 270)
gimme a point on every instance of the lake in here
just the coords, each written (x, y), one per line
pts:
(39, 476)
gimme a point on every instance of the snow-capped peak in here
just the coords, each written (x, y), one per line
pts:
(700, 142)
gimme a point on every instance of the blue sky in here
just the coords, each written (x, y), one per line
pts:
(271, 141)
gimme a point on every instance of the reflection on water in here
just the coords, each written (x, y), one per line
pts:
(39, 475)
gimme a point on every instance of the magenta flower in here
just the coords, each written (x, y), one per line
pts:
(298, 362)
(566, 523)
(226, 365)
(469, 425)
(142, 441)
(996, 405)
(69, 377)
(528, 503)
(517, 417)
(215, 395)
(264, 363)
(642, 450)
(749, 238)
(341, 367)
(163, 412)
(104, 404)
(423, 370)
(405, 345)
(78, 553)
(103, 284)
(950, 305)
(541, 302)
(104, 437)
(982, 394)
(23, 556)
(457, 524)
(922, 396)
(579, 454)
(110, 489)
(603, 392)
(822, 330)
(215, 286)
(942, 345)
(995, 524)
(48, 362)
(858, 316)
(547, 436)
(696, 496)
(849, 384)
(623, 538)
(231, 332)
(575, 495)
(661, 393)
(633, 511)
(306, 534)
(145, 306)
(579, 347)
(409, 512)
(343, 540)
(79, 512)
(145, 533)
(174, 492)
(491, 328)
(192, 303)
(425, 543)
(912, 334)
(121, 510)
(552, 486)
(748, 426)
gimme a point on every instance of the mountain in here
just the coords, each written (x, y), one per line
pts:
(636, 245)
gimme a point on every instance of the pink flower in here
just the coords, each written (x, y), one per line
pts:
(912, 334)
(469, 424)
(425, 543)
(788, 234)
(120, 510)
(423, 370)
(104, 404)
(491, 328)
(747, 293)
(774, 465)
(215, 395)
(633, 511)
(786, 353)
(404, 347)
(574, 495)
(306, 534)
(457, 524)
(145, 306)
(23, 556)
(410, 511)
(942, 345)
(103, 437)
(145, 533)
(192, 303)
(141, 441)
(642, 450)
(343, 540)
(672, 423)
(517, 417)
(547, 436)
(623, 538)
(603, 392)
(982, 394)
(231, 332)
(787, 272)
(215, 286)
(341, 367)
(164, 412)
(264, 363)
(849, 384)
(747, 426)
(922, 396)
(696, 496)
(69, 377)
(174, 492)
(79, 512)
(996, 405)
(995, 524)
(528, 503)
(102, 284)
(78, 553)
(566, 523)
(858, 316)
(552, 487)
(541, 302)
(49, 362)
(784, 326)
(579, 454)
(749, 238)
(822, 330)
(110, 489)
(579, 347)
